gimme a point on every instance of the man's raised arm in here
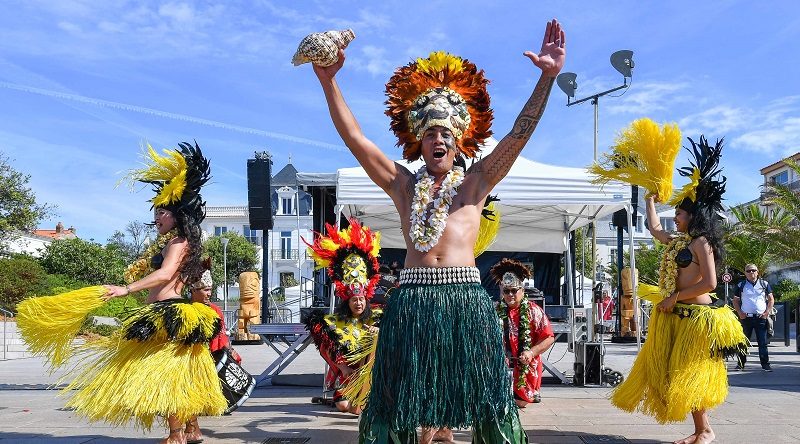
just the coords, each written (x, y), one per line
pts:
(550, 60)
(379, 168)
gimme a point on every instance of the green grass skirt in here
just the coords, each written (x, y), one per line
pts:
(440, 363)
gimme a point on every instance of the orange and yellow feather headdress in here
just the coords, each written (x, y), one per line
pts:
(440, 90)
(351, 257)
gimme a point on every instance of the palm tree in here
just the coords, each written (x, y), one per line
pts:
(785, 238)
(751, 239)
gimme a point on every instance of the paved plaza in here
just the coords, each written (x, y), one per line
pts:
(761, 408)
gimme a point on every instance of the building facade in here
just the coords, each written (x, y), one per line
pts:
(287, 261)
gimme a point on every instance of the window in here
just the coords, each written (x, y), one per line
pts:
(251, 235)
(286, 205)
(286, 244)
(667, 223)
(613, 256)
(219, 231)
(639, 224)
(781, 178)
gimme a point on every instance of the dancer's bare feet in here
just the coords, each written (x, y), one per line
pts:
(176, 436)
(700, 437)
(192, 432)
(442, 435)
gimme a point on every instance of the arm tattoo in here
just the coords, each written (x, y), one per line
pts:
(512, 144)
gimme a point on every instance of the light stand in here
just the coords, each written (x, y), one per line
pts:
(622, 61)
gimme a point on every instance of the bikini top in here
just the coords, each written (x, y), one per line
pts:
(684, 258)
(156, 261)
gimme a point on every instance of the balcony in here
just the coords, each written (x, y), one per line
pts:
(278, 254)
(766, 194)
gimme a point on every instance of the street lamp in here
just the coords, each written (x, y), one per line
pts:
(225, 241)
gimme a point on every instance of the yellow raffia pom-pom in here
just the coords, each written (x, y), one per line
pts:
(487, 231)
(439, 61)
(48, 324)
(376, 244)
(644, 155)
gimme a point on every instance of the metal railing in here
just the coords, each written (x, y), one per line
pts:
(278, 254)
(280, 311)
(6, 314)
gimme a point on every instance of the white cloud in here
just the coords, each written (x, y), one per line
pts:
(648, 98)
(719, 119)
(69, 27)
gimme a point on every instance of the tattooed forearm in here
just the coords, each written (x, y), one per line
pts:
(533, 110)
(509, 148)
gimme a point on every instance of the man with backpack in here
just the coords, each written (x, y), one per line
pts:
(753, 301)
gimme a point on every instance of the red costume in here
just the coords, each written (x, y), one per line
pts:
(540, 330)
(219, 341)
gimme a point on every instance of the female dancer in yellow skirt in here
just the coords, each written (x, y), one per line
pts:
(157, 364)
(680, 368)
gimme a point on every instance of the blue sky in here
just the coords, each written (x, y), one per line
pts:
(83, 84)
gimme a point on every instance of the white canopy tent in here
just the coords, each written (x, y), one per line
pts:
(539, 204)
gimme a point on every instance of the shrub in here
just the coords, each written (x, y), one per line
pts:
(20, 276)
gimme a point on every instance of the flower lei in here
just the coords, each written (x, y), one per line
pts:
(426, 230)
(668, 270)
(523, 332)
(141, 267)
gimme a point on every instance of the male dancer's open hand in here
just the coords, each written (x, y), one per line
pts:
(551, 57)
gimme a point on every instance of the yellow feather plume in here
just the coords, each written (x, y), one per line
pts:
(439, 61)
(376, 244)
(169, 169)
(644, 155)
(689, 190)
(487, 232)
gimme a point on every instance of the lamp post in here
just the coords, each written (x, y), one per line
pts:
(622, 61)
(225, 241)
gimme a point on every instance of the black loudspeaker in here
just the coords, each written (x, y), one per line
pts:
(259, 174)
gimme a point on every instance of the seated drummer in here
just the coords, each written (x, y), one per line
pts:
(350, 257)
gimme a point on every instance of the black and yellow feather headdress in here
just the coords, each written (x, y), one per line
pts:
(177, 178)
(706, 182)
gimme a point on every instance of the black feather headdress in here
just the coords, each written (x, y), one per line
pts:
(707, 184)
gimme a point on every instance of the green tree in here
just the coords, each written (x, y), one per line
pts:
(19, 210)
(583, 252)
(84, 261)
(783, 239)
(242, 256)
(789, 291)
(648, 260)
(746, 242)
(132, 241)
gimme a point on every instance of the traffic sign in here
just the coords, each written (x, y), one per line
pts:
(726, 277)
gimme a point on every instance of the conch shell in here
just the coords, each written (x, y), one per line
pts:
(322, 48)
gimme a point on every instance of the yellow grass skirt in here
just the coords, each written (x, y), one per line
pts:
(157, 364)
(680, 368)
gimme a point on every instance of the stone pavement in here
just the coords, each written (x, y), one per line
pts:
(762, 407)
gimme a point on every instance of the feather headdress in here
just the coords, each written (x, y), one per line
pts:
(441, 90)
(644, 155)
(706, 182)
(177, 177)
(351, 257)
(510, 273)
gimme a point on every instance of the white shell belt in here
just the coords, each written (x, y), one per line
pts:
(439, 276)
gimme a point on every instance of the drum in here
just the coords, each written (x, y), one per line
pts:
(237, 384)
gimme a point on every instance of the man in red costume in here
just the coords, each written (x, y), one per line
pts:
(526, 331)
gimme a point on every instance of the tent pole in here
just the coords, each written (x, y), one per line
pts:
(634, 278)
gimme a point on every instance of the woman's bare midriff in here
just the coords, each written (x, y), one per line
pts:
(686, 278)
(170, 290)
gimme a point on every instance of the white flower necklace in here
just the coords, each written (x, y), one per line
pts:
(426, 230)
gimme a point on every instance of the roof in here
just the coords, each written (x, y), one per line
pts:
(286, 176)
(779, 164)
(53, 234)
